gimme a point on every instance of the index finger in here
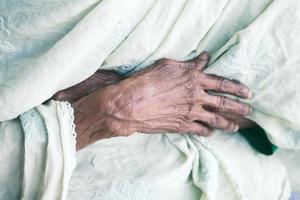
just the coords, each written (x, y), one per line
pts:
(223, 85)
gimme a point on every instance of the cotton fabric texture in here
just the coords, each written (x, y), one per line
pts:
(47, 46)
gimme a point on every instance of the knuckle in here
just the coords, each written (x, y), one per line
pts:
(202, 76)
(192, 74)
(199, 94)
(224, 85)
(219, 84)
(196, 77)
(189, 85)
(229, 125)
(222, 103)
(242, 91)
(216, 120)
(197, 74)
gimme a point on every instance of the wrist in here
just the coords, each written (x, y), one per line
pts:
(89, 123)
(97, 117)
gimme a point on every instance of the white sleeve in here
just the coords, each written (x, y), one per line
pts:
(39, 153)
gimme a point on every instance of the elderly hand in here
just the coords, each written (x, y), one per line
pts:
(97, 81)
(169, 96)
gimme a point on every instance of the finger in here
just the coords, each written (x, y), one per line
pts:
(217, 121)
(69, 95)
(224, 104)
(240, 120)
(198, 129)
(199, 62)
(223, 85)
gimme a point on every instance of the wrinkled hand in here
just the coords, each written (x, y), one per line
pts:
(97, 81)
(169, 96)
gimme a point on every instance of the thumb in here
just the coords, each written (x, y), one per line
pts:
(200, 61)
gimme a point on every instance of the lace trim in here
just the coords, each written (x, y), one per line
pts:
(69, 111)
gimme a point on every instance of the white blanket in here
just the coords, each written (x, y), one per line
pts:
(46, 46)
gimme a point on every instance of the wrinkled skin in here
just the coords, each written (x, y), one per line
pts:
(169, 96)
(97, 81)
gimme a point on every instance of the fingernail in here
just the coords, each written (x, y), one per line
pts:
(236, 128)
(248, 111)
(249, 94)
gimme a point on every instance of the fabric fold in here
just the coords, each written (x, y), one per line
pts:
(70, 60)
(45, 158)
(255, 42)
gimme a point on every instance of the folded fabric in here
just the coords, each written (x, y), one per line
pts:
(57, 45)
(37, 153)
